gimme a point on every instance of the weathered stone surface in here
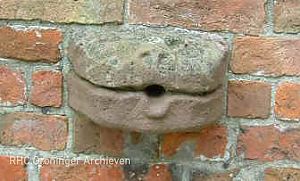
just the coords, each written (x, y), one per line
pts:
(287, 16)
(67, 11)
(145, 79)
(134, 58)
(137, 111)
(231, 15)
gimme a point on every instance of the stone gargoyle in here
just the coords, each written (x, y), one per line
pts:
(147, 79)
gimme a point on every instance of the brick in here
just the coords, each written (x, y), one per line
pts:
(210, 141)
(68, 11)
(287, 16)
(12, 171)
(30, 45)
(12, 87)
(91, 138)
(158, 172)
(218, 176)
(267, 143)
(47, 88)
(271, 56)
(282, 174)
(79, 172)
(249, 99)
(287, 101)
(223, 15)
(43, 132)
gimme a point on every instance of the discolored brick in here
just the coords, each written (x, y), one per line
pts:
(47, 88)
(249, 99)
(287, 101)
(267, 143)
(210, 141)
(12, 87)
(43, 132)
(92, 138)
(270, 56)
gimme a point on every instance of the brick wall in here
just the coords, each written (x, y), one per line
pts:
(258, 138)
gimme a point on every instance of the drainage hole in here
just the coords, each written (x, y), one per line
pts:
(155, 90)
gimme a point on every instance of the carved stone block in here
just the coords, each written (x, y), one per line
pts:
(145, 79)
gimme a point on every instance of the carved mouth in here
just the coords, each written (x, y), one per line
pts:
(137, 111)
(155, 90)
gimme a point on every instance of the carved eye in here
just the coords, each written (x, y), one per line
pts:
(155, 90)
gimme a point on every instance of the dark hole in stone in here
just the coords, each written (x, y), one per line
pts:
(155, 90)
(145, 54)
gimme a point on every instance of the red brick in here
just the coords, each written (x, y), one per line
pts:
(272, 56)
(268, 143)
(10, 171)
(287, 101)
(79, 172)
(287, 16)
(47, 88)
(249, 99)
(30, 45)
(232, 15)
(210, 141)
(92, 138)
(282, 174)
(12, 87)
(44, 132)
(158, 172)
